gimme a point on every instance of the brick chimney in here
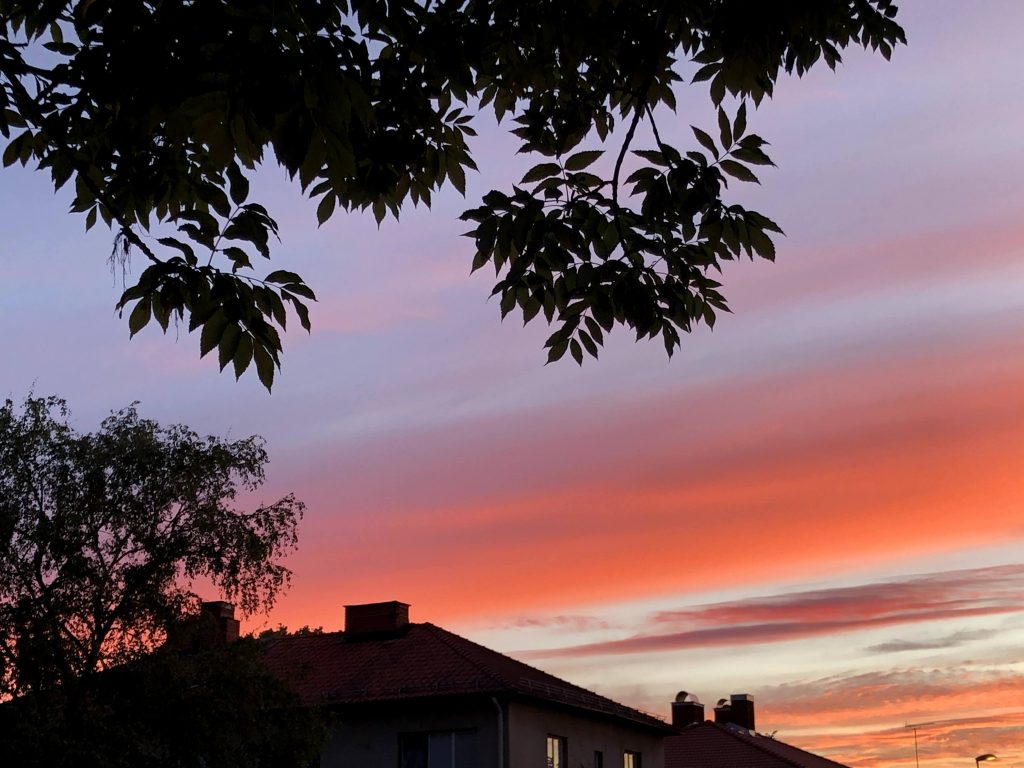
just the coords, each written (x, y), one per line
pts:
(738, 711)
(376, 619)
(686, 710)
(217, 624)
(741, 707)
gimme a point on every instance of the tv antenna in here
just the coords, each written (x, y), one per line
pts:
(914, 727)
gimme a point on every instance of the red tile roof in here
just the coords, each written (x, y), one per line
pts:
(423, 660)
(710, 745)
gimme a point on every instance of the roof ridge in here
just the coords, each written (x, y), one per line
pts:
(524, 684)
(530, 667)
(444, 636)
(768, 741)
(747, 739)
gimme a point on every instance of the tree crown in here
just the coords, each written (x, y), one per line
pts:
(104, 535)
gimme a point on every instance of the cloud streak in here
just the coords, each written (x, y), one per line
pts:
(767, 478)
(558, 623)
(953, 640)
(953, 741)
(812, 613)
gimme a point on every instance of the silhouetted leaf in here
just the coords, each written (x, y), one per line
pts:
(325, 208)
(282, 277)
(541, 171)
(212, 332)
(738, 170)
(725, 129)
(140, 316)
(706, 141)
(581, 160)
(264, 366)
(243, 355)
(228, 344)
(739, 126)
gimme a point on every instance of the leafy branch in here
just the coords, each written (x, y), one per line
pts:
(158, 112)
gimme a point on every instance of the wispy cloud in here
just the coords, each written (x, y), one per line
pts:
(763, 479)
(953, 640)
(558, 623)
(898, 695)
(775, 618)
(953, 741)
(861, 719)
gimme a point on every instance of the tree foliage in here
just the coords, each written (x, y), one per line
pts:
(158, 113)
(103, 535)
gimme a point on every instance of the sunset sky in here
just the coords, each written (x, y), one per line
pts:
(820, 503)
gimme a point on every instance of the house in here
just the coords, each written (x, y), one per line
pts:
(731, 741)
(414, 695)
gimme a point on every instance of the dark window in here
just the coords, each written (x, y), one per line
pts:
(630, 759)
(440, 749)
(598, 759)
(557, 752)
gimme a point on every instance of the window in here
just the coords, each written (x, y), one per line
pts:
(557, 757)
(630, 759)
(598, 759)
(441, 749)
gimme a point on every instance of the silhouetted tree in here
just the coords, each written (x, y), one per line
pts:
(157, 112)
(282, 631)
(101, 538)
(103, 534)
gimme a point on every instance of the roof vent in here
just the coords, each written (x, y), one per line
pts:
(723, 712)
(737, 710)
(376, 619)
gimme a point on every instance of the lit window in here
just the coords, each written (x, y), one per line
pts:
(557, 757)
(441, 749)
(631, 760)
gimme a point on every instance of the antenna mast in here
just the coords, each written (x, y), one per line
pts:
(914, 727)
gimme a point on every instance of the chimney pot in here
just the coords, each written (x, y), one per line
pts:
(376, 619)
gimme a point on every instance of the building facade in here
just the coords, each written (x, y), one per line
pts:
(414, 695)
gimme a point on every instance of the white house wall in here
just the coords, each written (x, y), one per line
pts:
(530, 725)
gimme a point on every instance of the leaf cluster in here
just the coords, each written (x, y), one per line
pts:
(158, 113)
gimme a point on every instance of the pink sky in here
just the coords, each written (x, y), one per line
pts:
(820, 503)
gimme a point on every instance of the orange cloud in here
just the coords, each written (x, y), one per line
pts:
(859, 720)
(930, 597)
(945, 744)
(761, 479)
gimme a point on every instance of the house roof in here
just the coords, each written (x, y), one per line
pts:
(423, 660)
(712, 745)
